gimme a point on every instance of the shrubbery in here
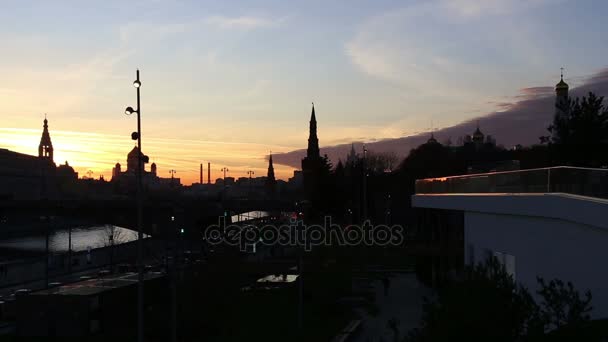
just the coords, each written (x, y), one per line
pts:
(488, 305)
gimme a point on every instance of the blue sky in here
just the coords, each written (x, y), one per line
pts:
(229, 74)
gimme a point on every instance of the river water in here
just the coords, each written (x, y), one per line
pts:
(83, 238)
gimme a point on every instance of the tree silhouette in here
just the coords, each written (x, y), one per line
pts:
(584, 122)
(579, 135)
(489, 305)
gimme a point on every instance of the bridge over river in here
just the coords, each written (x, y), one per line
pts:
(161, 216)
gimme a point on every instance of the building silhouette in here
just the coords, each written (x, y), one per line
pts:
(127, 178)
(561, 96)
(271, 182)
(312, 163)
(477, 137)
(27, 177)
(477, 140)
(561, 100)
(45, 148)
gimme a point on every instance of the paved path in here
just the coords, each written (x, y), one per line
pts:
(403, 302)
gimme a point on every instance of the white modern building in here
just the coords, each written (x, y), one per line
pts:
(549, 223)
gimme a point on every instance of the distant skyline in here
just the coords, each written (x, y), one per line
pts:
(228, 81)
(522, 121)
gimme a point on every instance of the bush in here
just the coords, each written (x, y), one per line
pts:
(487, 304)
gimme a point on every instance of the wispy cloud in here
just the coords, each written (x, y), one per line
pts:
(153, 32)
(244, 23)
(451, 51)
(518, 121)
(473, 8)
(144, 32)
(401, 47)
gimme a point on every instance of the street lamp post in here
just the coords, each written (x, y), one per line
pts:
(250, 173)
(364, 204)
(388, 209)
(172, 172)
(139, 195)
(111, 239)
(224, 169)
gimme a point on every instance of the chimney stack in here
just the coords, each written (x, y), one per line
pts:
(201, 175)
(208, 173)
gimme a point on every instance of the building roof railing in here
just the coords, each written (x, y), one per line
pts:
(592, 182)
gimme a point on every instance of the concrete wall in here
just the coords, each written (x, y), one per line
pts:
(548, 235)
(545, 247)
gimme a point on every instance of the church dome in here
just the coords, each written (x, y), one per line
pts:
(477, 133)
(65, 167)
(561, 85)
(133, 153)
(132, 156)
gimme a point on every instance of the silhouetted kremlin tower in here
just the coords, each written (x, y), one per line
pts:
(270, 175)
(313, 141)
(271, 182)
(312, 166)
(313, 157)
(45, 149)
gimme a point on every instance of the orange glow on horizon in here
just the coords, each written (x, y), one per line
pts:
(100, 152)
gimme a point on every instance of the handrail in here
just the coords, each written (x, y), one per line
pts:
(585, 181)
(472, 175)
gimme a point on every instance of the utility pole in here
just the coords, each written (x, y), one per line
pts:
(70, 249)
(364, 204)
(173, 287)
(250, 173)
(140, 210)
(46, 261)
(111, 238)
(172, 172)
(301, 290)
(225, 169)
(140, 218)
(388, 210)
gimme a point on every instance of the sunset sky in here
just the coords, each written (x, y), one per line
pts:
(228, 81)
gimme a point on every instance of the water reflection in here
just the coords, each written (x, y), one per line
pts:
(251, 215)
(83, 238)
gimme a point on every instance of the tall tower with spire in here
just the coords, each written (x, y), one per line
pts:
(561, 96)
(45, 149)
(270, 169)
(313, 141)
(271, 181)
(312, 164)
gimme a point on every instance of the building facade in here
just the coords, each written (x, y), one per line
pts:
(29, 177)
(127, 179)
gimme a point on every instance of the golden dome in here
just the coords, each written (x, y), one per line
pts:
(561, 85)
